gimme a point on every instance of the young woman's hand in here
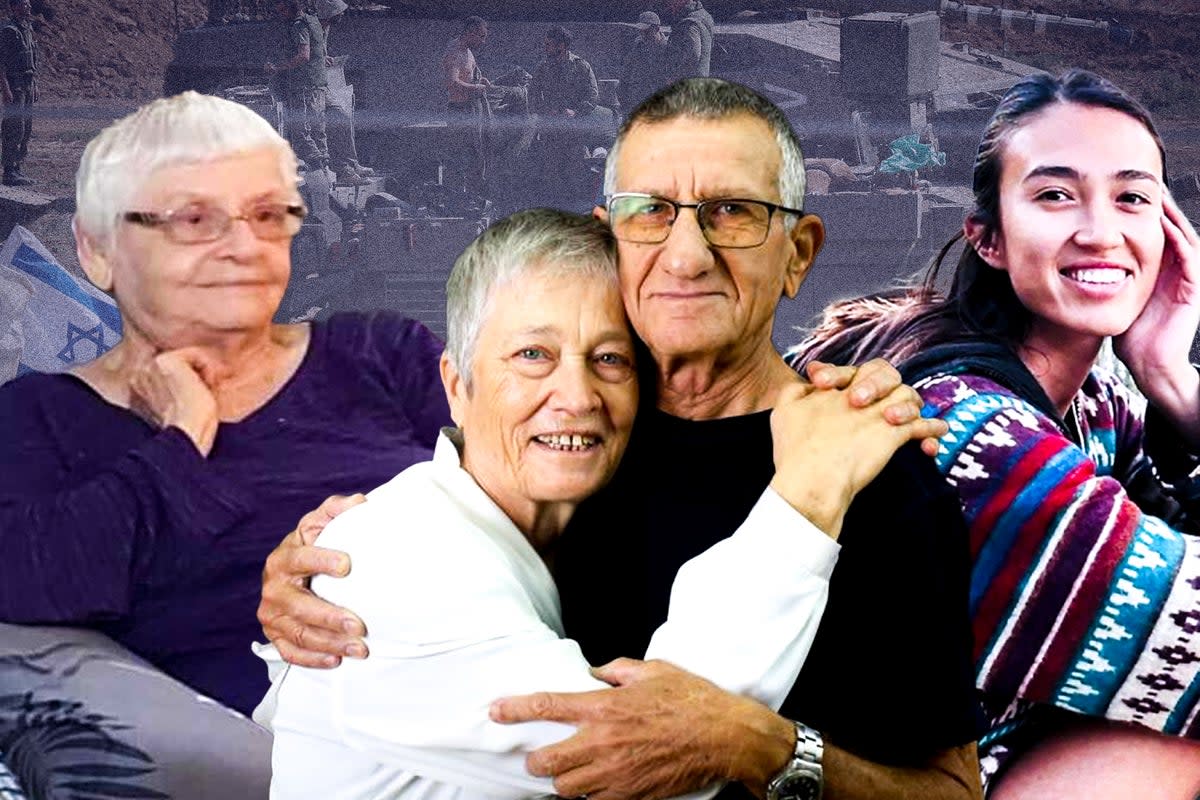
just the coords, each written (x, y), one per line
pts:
(1157, 346)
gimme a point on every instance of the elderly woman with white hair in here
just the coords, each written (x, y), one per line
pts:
(143, 491)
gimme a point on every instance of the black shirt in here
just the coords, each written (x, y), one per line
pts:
(890, 674)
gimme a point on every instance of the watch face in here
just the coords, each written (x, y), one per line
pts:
(798, 786)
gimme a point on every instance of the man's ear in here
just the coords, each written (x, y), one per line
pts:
(989, 247)
(456, 389)
(807, 235)
(92, 258)
(600, 213)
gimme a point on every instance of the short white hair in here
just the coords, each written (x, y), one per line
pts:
(718, 99)
(188, 128)
(541, 240)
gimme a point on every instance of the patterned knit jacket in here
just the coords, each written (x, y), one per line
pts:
(1085, 587)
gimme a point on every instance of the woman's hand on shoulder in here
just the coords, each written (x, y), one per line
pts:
(175, 389)
(306, 629)
(875, 381)
(831, 442)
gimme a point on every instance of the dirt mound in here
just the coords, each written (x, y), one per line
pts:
(98, 60)
(110, 49)
(1159, 65)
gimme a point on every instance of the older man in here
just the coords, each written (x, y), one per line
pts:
(704, 189)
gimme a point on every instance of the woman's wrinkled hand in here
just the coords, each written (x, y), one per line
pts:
(867, 384)
(827, 448)
(175, 389)
(305, 629)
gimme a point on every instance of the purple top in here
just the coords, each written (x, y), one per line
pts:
(107, 522)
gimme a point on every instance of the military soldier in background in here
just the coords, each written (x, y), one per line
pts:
(18, 52)
(564, 84)
(343, 154)
(564, 95)
(467, 109)
(646, 66)
(691, 38)
(304, 83)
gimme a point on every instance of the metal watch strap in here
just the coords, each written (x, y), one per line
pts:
(803, 775)
(810, 745)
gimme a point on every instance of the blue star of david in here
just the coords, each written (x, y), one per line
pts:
(75, 335)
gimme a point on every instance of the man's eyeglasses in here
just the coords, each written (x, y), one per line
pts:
(724, 221)
(198, 223)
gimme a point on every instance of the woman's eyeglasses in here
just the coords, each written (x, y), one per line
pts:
(198, 223)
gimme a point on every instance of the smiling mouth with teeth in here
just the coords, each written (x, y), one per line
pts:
(1100, 275)
(567, 441)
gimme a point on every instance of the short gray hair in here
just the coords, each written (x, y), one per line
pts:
(717, 99)
(535, 240)
(188, 128)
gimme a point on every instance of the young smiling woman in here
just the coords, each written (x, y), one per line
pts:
(1076, 490)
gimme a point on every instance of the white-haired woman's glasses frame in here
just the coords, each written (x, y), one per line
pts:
(198, 223)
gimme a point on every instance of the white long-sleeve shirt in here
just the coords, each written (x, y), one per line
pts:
(461, 610)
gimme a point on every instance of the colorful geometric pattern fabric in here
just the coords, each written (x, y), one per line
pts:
(1079, 599)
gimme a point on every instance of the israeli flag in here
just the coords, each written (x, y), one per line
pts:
(49, 320)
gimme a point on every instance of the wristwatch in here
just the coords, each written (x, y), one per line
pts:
(802, 778)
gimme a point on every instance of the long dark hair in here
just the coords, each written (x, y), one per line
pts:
(980, 303)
